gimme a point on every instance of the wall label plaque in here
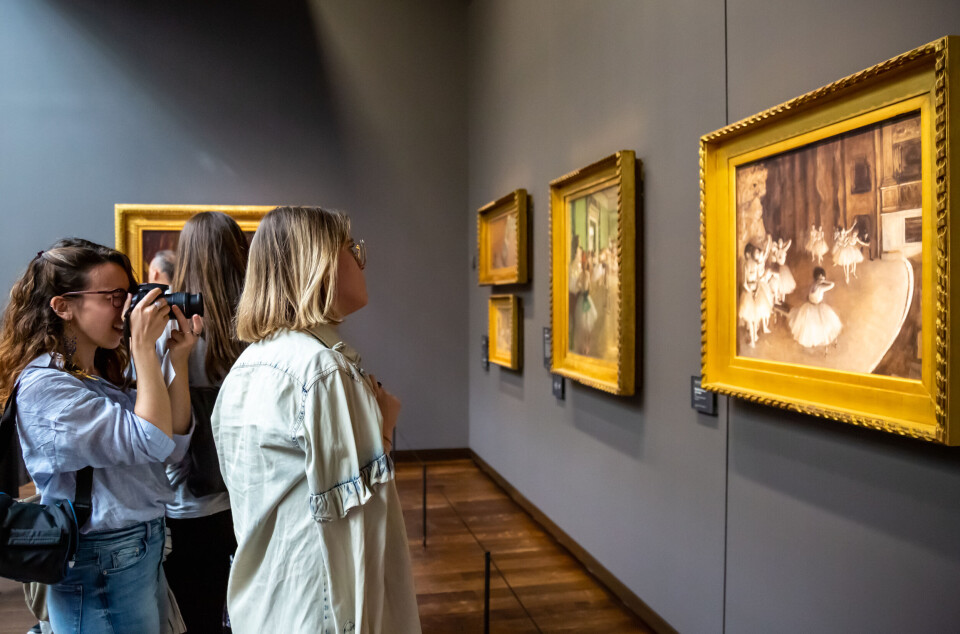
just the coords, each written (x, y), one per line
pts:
(558, 387)
(547, 347)
(485, 352)
(704, 401)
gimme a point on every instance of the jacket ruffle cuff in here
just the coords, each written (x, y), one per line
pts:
(336, 502)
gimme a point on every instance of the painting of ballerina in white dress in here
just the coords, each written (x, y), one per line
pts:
(592, 276)
(829, 243)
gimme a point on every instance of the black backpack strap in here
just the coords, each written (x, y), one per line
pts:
(10, 453)
(82, 505)
(11, 458)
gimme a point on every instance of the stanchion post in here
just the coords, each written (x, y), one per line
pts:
(424, 519)
(486, 592)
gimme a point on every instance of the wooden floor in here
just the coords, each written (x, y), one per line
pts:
(535, 584)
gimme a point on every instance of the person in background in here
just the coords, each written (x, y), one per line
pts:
(212, 260)
(62, 343)
(303, 434)
(161, 267)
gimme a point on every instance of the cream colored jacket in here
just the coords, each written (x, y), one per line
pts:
(321, 541)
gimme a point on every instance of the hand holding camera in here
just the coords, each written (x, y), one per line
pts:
(149, 310)
(181, 341)
(146, 319)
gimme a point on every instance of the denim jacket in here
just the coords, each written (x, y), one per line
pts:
(321, 541)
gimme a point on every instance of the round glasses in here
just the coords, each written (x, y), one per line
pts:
(359, 251)
(117, 296)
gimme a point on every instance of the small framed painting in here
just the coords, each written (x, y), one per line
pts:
(504, 328)
(593, 239)
(502, 240)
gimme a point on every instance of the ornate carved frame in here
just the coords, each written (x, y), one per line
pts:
(616, 377)
(513, 203)
(130, 221)
(507, 358)
(919, 79)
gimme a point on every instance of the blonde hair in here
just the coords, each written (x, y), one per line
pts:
(291, 280)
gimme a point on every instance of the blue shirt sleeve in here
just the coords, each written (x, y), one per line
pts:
(181, 445)
(71, 426)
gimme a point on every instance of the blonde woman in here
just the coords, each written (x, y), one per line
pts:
(303, 435)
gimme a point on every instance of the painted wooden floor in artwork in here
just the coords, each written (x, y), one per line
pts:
(536, 585)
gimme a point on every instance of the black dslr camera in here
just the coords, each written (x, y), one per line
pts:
(190, 303)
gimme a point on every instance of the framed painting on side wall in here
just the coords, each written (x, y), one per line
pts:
(592, 243)
(502, 240)
(504, 330)
(825, 234)
(143, 231)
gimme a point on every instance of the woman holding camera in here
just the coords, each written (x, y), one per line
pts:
(62, 341)
(212, 261)
(303, 435)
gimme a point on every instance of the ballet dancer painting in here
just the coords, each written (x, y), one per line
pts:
(826, 276)
(592, 275)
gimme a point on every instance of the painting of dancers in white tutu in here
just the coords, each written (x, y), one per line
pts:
(593, 275)
(829, 252)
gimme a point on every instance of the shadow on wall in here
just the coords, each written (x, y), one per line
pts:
(618, 421)
(247, 79)
(841, 468)
(602, 416)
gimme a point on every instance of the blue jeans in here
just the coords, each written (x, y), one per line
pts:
(115, 584)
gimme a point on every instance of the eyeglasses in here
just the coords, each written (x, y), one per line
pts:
(359, 251)
(117, 296)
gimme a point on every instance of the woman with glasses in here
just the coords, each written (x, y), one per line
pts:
(303, 434)
(62, 345)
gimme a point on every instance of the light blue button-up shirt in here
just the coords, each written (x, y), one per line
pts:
(66, 423)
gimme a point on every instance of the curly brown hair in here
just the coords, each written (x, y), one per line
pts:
(31, 328)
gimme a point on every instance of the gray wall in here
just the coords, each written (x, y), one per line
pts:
(834, 529)
(354, 105)
(821, 528)
(638, 482)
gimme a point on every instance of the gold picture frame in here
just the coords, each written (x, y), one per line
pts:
(502, 240)
(848, 187)
(143, 230)
(504, 331)
(592, 261)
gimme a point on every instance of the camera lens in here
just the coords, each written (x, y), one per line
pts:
(190, 303)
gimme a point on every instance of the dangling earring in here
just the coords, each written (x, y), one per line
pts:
(69, 348)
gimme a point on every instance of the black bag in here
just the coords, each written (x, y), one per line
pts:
(201, 464)
(37, 541)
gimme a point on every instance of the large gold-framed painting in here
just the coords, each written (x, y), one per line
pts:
(825, 235)
(502, 240)
(593, 239)
(143, 231)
